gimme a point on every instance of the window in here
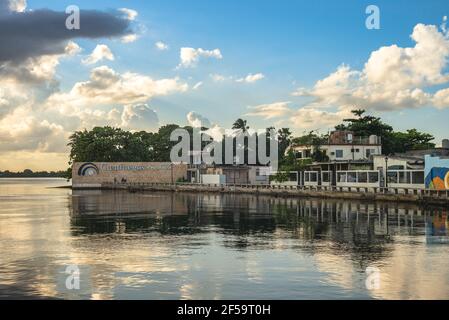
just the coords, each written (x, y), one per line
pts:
(418, 177)
(352, 177)
(370, 152)
(373, 177)
(311, 176)
(404, 177)
(363, 177)
(349, 137)
(341, 176)
(325, 177)
(392, 177)
(339, 153)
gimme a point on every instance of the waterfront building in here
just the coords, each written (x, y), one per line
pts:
(343, 146)
(96, 174)
(229, 174)
(417, 169)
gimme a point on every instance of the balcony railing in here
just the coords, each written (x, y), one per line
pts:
(357, 141)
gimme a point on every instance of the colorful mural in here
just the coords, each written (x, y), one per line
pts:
(437, 228)
(438, 179)
(437, 173)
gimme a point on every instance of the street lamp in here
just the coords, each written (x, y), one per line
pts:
(386, 172)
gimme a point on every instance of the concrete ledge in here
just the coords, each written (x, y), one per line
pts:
(86, 186)
(380, 194)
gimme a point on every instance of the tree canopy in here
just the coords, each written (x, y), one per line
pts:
(108, 144)
(392, 141)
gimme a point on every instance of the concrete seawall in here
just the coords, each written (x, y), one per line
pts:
(431, 197)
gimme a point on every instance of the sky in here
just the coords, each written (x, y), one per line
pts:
(142, 64)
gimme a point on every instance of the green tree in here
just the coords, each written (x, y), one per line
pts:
(365, 125)
(392, 142)
(161, 144)
(314, 141)
(411, 140)
(285, 139)
(241, 125)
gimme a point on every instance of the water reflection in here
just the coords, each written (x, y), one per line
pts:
(207, 246)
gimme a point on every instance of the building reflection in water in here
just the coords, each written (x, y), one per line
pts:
(355, 223)
(209, 246)
(437, 228)
(342, 239)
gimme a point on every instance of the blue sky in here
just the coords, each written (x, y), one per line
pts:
(294, 44)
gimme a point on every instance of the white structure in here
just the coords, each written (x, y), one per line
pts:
(259, 175)
(411, 179)
(317, 178)
(351, 152)
(358, 179)
(216, 179)
(403, 171)
(344, 146)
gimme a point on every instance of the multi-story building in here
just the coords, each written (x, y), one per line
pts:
(344, 146)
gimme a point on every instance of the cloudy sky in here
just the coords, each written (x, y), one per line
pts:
(142, 64)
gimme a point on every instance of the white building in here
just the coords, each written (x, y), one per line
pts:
(344, 146)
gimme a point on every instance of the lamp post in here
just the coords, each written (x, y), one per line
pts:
(386, 172)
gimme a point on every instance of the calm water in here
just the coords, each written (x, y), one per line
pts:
(194, 246)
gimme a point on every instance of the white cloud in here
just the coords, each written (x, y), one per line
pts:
(392, 78)
(302, 118)
(107, 98)
(313, 119)
(107, 87)
(444, 24)
(100, 52)
(72, 48)
(161, 46)
(251, 78)
(218, 77)
(270, 111)
(216, 132)
(129, 38)
(139, 118)
(20, 130)
(129, 13)
(37, 70)
(17, 5)
(197, 85)
(198, 121)
(441, 98)
(190, 56)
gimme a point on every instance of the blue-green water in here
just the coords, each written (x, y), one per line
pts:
(198, 246)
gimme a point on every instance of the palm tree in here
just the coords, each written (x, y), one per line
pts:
(241, 125)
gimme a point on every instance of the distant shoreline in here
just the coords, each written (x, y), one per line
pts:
(33, 178)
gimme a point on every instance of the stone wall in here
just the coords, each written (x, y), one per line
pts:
(96, 173)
